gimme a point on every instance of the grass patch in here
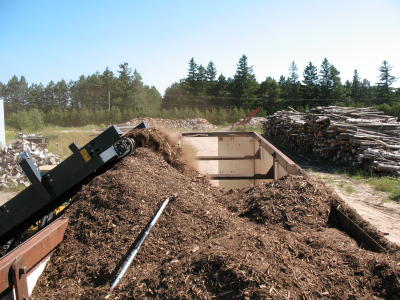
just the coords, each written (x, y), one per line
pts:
(346, 187)
(390, 185)
(59, 143)
(14, 188)
(349, 189)
(246, 128)
(59, 138)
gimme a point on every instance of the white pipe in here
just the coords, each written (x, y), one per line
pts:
(136, 249)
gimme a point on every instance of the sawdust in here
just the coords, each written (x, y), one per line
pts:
(265, 242)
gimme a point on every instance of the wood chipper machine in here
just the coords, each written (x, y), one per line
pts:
(24, 252)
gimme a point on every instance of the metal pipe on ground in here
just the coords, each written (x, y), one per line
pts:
(138, 245)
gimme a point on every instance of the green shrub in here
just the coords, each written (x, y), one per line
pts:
(26, 120)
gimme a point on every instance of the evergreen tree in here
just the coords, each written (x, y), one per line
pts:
(138, 91)
(269, 89)
(221, 88)
(36, 96)
(284, 87)
(125, 98)
(201, 74)
(244, 82)
(366, 92)
(15, 93)
(11, 94)
(356, 86)
(337, 92)
(108, 81)
(325, 80)
(311, 89)
(211, 72)
(334, 76)
(137, 80)
(310, 75)
(293, 82)
(61, 94)
(385, 80)
(192, 71)
(293, 76)
(125, 74)
(49, 100)
(2, 89)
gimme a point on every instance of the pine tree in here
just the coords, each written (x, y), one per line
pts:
(293, 82)
(244, 82)
(192, 71)
(125, 74)
(201, 74)
(356, 86)
(36, 96)
(325, 80)
(311, 89)
(2, 89)
(293, 76)
(108, 81)
(137, 80)
(16, 93)
(334, 76)
(124, 96)
(61, 94)
(310, 75)
(385, 80)
(49, 96)
(366, 92)
(337, 92)
(221, 88)
(284, 87)
(269, 89)
(211, 72)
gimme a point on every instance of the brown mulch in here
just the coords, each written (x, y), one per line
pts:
(271, 241)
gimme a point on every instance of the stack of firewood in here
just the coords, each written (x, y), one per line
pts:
(11, 174)
(363, 137)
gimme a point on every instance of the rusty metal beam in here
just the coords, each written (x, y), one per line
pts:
(341, 221)
(19, 279)
(289, 165)
(246, 157)
(217, 134)
(32, 251)
(238, 176)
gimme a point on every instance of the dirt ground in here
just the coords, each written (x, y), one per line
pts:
(372, 205)
(5, 196)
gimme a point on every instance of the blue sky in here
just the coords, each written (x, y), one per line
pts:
(52, 40)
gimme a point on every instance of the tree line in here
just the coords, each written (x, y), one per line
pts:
(323, 86)
(93, 92)
(112, 98)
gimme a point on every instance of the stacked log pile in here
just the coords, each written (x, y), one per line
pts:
(11, 173)
(363, 137)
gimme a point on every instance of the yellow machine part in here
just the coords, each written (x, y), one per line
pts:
(57, 211)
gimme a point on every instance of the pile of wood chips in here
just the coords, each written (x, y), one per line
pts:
(363, 137)
(271, 241)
